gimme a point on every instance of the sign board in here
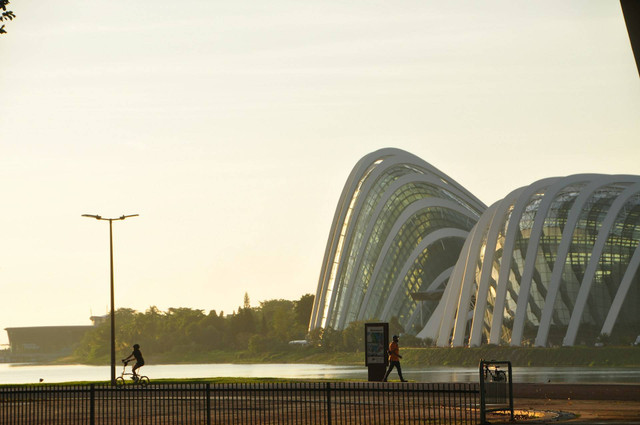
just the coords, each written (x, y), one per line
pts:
(376, 342)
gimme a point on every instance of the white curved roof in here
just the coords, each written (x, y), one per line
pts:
(535, 267)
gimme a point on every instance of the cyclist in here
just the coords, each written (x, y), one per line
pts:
(137, 354)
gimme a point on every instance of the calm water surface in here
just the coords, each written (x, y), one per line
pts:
(27, 373)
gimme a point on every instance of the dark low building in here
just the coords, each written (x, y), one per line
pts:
(47, 341)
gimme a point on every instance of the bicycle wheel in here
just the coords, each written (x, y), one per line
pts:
(119, 381)
(143, 381)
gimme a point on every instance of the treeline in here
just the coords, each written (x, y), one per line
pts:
(250, 333)
(186, 334)
(262, 334)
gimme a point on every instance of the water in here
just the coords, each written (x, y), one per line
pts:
(28, 373)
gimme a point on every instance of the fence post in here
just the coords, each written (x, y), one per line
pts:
(483, 412)
(511, 392)
(92, 406)
(328, 403)
(208, 403)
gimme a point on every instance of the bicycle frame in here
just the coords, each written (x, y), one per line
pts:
(137, 378)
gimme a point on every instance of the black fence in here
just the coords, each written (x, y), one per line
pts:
(243, 403)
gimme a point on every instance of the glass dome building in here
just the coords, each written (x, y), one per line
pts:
(553, 263)
(398, 230)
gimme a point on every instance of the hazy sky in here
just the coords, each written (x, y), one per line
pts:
(231, 127)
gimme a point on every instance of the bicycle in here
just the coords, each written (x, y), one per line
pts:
(141, 380)
(495, 374)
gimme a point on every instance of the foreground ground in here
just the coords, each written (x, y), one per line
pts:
(547, 410)
(586, 403)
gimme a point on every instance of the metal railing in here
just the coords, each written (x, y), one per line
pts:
(330, 403)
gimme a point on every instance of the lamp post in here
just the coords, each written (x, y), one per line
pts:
(113, 316)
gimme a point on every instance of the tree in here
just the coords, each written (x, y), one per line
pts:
(247, 302)
(303, 309)
(280, 320)
(353, 336)
(6, 15)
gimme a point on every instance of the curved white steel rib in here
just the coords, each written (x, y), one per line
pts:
(534, 241)
(586, 193)
(522, 198)
(585, 286)
(396, 186)
(502, 283)
(406, 215)
(442, 326)
(322, 306)
(621, 294)
(512, 233)
(468, 283)
(425, 243)
(366, 183)
(363, 179)
(475, 337)
(488, 250)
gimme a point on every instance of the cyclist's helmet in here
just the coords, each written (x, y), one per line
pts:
(395, 337)
(136, 346)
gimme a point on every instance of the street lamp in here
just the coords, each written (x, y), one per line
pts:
(113, 316)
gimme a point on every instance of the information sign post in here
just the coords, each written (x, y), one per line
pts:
(376, 340)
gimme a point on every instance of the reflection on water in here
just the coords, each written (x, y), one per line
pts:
(19, 374)
(532, 374)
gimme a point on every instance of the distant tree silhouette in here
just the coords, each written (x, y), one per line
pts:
(7, 15)
(303, 309)
(183, 334)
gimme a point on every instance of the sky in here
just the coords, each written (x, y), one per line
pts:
(231, 127)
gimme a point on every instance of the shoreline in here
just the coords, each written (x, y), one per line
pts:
(578, 356)
(405, 364)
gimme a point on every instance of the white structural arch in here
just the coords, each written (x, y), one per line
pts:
(594, 260)
(432, 238)
(501, 286)
(374, 184)
(542, 222)
(616, 305)
(553, 262)
(598, 182)
(398, 185)
(456, 314)
(402, 220)
(532, 250)
(513, 232)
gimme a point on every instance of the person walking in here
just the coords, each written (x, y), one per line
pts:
(394, 359)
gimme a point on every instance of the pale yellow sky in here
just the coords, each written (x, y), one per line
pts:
(231, 127)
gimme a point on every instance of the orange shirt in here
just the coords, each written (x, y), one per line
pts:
(394, 352)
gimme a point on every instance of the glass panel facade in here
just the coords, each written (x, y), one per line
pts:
(386, 250)
(380, 236)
